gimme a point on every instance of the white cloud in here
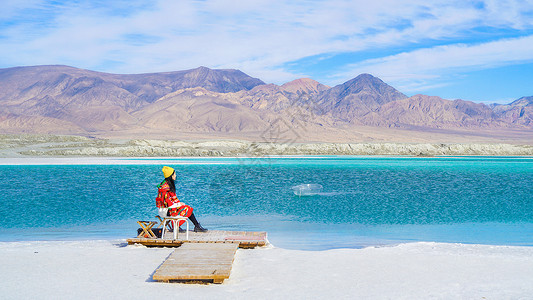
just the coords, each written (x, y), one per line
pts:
(9, 9)
(258, 37)
(418, 69)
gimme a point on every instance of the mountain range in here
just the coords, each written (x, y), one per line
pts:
(207, 103)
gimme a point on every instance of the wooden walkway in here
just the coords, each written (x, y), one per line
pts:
(245, 239)
(198, 262)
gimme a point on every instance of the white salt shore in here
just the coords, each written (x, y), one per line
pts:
(112, 270)
(19, 161)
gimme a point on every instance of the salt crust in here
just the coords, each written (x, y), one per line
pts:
(130, 160)
(113, 270)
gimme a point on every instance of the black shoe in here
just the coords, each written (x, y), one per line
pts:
(199, 228)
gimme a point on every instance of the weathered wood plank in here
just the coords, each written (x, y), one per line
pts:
(199, 261)
(245, 239)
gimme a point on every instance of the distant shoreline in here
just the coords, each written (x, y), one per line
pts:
(54, 146)
(183, 160)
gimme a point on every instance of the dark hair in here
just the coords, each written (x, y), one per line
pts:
(171, 183)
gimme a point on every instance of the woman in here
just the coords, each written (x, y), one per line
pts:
(167, 200)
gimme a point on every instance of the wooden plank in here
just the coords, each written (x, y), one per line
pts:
(198, 261)
(245, 239)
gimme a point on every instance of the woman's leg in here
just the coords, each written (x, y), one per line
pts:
(197, 226)
(193, 220)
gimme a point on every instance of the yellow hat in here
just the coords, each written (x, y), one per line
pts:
(167, 171)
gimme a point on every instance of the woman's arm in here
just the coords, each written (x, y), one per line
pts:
(173, 200)
(176, 204)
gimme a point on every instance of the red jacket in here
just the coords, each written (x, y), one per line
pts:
(166, 199)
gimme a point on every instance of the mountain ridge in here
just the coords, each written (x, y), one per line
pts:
(357, 97)
(62, 99)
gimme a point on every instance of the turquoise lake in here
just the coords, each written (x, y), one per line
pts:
(365, 200)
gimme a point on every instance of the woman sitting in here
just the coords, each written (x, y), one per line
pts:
(168, 201)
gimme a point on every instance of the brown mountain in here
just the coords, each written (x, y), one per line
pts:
(304, 85)
(67, 84)
(518, 112)
(356, 98)
(264, 97)
(208, 103)
(434, 112)
(11, 123)
(523, 102)
(198, 110)
(99, 101)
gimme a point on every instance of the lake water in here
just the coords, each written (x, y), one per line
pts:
(365, 200)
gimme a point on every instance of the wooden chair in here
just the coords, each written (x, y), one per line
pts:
(147, 229)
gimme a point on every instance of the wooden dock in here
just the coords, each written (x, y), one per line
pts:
(205, 256)
(245, 239)
(206, 262)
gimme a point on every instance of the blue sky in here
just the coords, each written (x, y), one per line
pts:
(473, 50)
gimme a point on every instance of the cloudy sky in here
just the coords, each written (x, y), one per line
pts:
(473, 50)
